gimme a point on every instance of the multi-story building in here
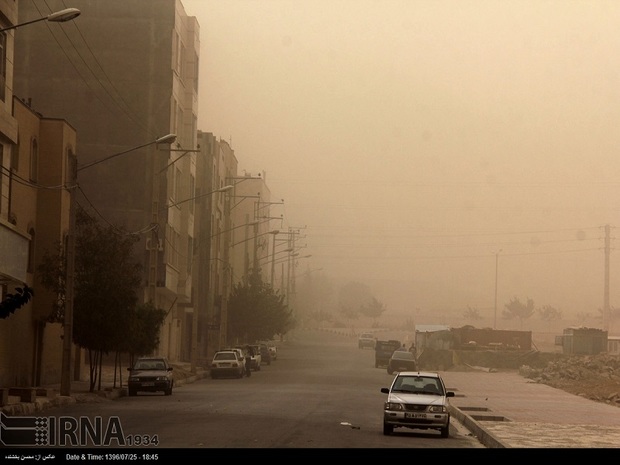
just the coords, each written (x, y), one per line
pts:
(126, 74)
(212, 283)
(37, 159)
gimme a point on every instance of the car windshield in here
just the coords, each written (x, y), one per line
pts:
(402, 355)
(150, 365)
(225, 356)
(417, 385)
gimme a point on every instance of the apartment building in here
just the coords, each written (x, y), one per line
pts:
(126, 74)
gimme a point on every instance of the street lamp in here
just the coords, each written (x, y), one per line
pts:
(65, 374)
(221, 189)
(58, 17)
(167, 139)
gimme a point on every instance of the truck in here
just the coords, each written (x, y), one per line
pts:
(384, 350)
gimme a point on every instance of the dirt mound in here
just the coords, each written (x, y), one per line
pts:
(596, 377)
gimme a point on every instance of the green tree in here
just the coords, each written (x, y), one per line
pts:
(145, 324)
(106, 284)
(373, 308)
(352, 298)
(517, 309)
(472, 314)
(256, 311)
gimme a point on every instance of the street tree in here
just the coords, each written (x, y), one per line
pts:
(256, 311)
(517, 309)
(472, 314)
(106, 284)
(373, 308)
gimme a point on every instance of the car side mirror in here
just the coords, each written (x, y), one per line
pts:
(385, 390)
(449, 394)
(169, 368)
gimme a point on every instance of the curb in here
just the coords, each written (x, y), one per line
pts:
(484, 436)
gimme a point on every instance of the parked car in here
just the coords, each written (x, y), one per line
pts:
(240, 353)
(402, 360)
(150, 374)
(256, 359)
(384, 350)
(366, 340)
(227, 363)
(417, 400)
(273, 350)
(265, 354)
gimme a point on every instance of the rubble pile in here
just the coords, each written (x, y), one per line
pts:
(596, 377)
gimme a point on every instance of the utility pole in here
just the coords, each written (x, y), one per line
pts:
(606, 309)
(496, 274)
(67, 341)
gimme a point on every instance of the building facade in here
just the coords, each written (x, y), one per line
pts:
(126, 74)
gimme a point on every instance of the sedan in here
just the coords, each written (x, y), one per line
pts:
(401, 360)
(150, 374)
(227, 363)
(417, 400)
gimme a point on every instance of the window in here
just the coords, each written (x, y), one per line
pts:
(34, 161)
(2, 66)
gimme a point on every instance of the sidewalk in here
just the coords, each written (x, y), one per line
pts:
(505, 409)
(50, 394)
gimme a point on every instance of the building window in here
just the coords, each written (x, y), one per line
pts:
(34, 161)
(190, 254)
(15, 156)
(2, 65)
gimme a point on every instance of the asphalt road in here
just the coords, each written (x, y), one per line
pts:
(321, 392)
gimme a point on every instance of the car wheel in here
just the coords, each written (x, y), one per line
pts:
(445, 432)
(168, 392)
(213, 376)
(131, 392)
(387, 429)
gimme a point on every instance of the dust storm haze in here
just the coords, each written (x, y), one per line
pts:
(423, 146)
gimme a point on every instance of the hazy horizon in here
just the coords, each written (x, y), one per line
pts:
(414, 142)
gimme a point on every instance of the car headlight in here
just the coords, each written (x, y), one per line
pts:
(437, 409)
(393, 406)
(161, 378)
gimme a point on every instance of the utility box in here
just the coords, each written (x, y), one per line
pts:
(584, 341)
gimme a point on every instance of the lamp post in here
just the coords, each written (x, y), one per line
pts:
(65, 374)
(58, 17)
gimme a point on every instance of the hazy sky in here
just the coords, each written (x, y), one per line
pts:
(415, 140)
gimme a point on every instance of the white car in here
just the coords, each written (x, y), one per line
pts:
(227, 363)
(273, 350)
(418, 400)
